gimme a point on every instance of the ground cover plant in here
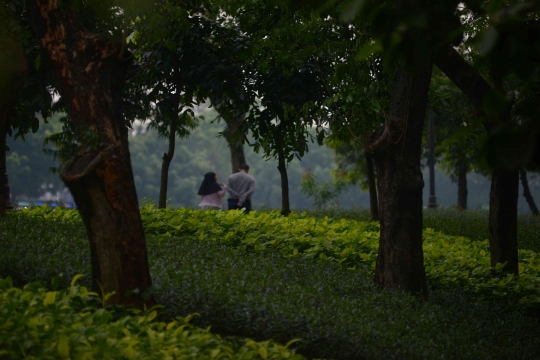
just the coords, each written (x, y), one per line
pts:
(472, 224)
(243, 275)
(42, 324)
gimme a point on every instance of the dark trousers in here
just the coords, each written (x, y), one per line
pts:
(233, 205)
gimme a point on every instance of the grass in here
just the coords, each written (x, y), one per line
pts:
(337, 313)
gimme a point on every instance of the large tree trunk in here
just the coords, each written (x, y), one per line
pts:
(13, 66)
(90, 71)
(174, 120)
(285, 205)
(503, 219)
(372, 186)
(527, 192)
(397, 150)
(502, 212)
(462, 187)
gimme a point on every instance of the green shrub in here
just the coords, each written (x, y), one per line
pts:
(449, 260)
(207, 262)
(472, 224)
(42, 324)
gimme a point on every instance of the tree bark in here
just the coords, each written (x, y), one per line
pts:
(397, 151)
(13, 67)
(4, 124)
(372, 186)
(527, 192)
(462, 187)
(503, 220)
(90, 72)
(167, 158)
(174, 120)
(432, 200)
(502, 212)
(234, 141)
(285, 205)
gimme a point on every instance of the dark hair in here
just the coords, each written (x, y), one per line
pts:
(244, 167)
(209, 184)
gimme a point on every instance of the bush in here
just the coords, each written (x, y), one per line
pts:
(245, 279)
(472, 224)
(42, 324)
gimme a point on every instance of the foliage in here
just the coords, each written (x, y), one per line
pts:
(336, 312)
(34, 96)
(449, 260)
(472, 224)
(323, 194)
(64, 324)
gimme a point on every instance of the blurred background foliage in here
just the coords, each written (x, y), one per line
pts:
(29, 175)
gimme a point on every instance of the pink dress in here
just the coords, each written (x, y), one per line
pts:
(212, 201)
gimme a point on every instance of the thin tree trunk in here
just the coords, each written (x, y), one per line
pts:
(167, 158)
(504, 187)
(4, 123)
(372, 185)
(174, 120)
(90, 73)
(432, 201)
(527, 192)
(397, 150)
(234, 139)
(503, 220)
(462, 187)
(285, 205)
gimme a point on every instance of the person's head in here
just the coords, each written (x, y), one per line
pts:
(243, 168)
(210, 176)
(209, 184)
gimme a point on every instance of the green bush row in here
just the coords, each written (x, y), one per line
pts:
(336, 313)
(449, 260)
(40, 324)
(472, 224)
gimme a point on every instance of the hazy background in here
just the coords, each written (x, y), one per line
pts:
(30, 178)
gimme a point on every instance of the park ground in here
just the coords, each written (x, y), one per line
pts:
(263, 276)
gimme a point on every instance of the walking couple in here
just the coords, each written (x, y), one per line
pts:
(240, 186)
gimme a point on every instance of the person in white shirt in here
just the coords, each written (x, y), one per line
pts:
(240, 186)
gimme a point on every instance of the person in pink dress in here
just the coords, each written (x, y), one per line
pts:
(211, 192)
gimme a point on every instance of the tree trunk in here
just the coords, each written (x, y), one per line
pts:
(167, 158)
(13, 67)
(503, 219)
(234, 140)
(432, 200)
(372, 186)
(462, 187)
(397, 150)
(90, 71)
(285, 206)
(527, 192)
(505, 184)
(4, 124)
(174, 120)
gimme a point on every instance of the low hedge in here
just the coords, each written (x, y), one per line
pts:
(249, 288)
(472, 224)
(41, 324)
